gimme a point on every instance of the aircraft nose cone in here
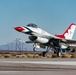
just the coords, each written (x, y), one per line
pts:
(20, 29)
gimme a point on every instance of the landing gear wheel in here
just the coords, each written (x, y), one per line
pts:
(58, 53)
(55, 52)
(44, 53)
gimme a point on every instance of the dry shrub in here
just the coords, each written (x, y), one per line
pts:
(21, 56)
(13, 54)
(66, 56)
(18, 56)
(39, 55)
(74, 56)
(35, 56)
(1, 56)
(49, 56)
(54, 55)
(30, 55)
(7, 56)
(24, 56)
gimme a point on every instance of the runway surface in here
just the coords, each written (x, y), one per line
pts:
(42, 66)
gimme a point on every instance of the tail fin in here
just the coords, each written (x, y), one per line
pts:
(68, 34)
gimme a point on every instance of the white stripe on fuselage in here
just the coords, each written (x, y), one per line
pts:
(40, 32)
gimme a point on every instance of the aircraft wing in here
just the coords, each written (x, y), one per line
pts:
(64, 41)
(59, 41)
(68, 41)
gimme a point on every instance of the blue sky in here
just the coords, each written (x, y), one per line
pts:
(54, 16)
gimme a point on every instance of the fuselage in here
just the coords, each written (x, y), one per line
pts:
(31, 29)
(36, 33)
(43, 37)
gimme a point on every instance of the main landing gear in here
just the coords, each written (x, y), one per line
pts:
(45, 52)
(58, 52)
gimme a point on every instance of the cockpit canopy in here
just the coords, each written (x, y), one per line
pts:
(32, 25)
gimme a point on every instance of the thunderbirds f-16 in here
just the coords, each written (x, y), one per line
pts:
(42, 39)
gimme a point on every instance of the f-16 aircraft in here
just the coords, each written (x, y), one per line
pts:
(42, 39)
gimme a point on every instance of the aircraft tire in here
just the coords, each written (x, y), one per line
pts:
(44, 53)
(58, 53)
(55, 52)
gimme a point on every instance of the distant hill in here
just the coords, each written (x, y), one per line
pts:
(16, 45)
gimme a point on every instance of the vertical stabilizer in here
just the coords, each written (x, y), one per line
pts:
(68, 34)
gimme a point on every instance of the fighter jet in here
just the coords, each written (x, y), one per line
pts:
(42, 39)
